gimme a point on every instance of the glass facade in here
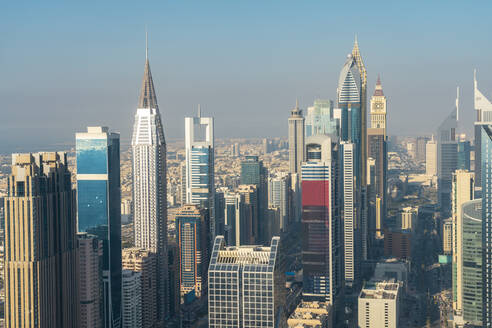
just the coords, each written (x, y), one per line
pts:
(464, 148)
(486, 171)
(99, 208)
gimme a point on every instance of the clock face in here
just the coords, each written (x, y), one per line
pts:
(378, 105)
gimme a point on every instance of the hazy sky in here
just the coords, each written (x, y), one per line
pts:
(64, 66)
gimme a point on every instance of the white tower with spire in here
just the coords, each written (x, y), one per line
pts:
(150, 183)
(483, 108)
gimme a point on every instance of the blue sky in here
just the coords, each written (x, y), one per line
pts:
(67, 65)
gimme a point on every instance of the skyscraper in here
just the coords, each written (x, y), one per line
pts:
(200, 183)
(254, 173)
(486, 171)
(40, 243)
(447, 159)
(296, 140)
(431, 157)
(246, 286)
(192, 236)
(246, 225)
(131, 299)
(320, 119)
(378, 108)
(483, 107)
(279, 196)
(321, 244)
(150, 184)
(99, 208)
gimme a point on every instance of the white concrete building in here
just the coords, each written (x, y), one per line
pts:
(379, 305)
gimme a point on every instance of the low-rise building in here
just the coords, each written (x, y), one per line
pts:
(379, 304)
(311, 315)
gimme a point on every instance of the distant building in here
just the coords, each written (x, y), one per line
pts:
(320, 119)
(200, 164)
(447, 237)
(90, 252)
(431, 157)
(311, 315)
(420, 150)
(131, 299)
(279, 196)
(296, 140)
(464, 151)
(40, 259)
(379, 304)
(192, 236)
(246, 286)
(145, 263)
(397, 243)
(408, 218)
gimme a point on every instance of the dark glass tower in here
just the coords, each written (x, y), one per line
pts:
(99, 208)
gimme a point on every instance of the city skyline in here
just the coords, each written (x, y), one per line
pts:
(232, 61)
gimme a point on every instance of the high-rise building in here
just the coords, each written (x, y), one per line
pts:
(447, 159)
(471, 283)
(379, 304)
(131, 299)
(408, 218)
(90, 249)
(296, 140)
(463, 159)
(254, 173)
(200, 178)
(279, 196)
(378, 108)
(192, 236)
(150, 184)
(447, 237)
(420, 150)
(99, 208)
(40, 243)
(483, 108)
(320, 119)
(463, 190)
(246, 286)
(321, 244)
(431, 157)
(246, 225)
(486, 171)
(144, 262)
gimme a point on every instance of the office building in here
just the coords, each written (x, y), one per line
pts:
(131, 299)
(246, 286)
(99, 208)
(247, 222)
(463, 190)
(486, 171)
(431, 157)
(192, 237)
(464, 151)
(40, 268)
(321, 119)
(279, 196)
(174, 290)
(447, 237)
(145, 263)
(150, 184)
(471, 265)
(296, 140)
(311, 315)
(447, 159)
(90, 252)
(321, 244)
(420, 150)
(254, 173)
(397, 243)
(379, 304)
(200, 177)
(483, 108)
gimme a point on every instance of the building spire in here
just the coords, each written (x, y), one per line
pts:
(378, 91)
(146, 44)
(297, 103)
(147, 98)
(457, 103)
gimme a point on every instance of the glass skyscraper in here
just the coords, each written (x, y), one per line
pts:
(486, 170)
(99, 208)
(320, 119)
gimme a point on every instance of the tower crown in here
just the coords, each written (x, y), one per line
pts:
(378, 92)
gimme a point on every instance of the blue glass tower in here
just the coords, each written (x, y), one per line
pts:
(464, 148)
(98, 208)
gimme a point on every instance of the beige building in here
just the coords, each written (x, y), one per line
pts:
(296, 140)
(431, 157)
(379, 304)
(409, 218)
(145, 262)
(90, 280)
(447, 237)
(311, 315)
(378, 108)
(40, 243)
(463, 187)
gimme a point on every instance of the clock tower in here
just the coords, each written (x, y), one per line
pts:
(378, 108)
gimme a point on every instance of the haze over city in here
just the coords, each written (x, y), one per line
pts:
(245, 62)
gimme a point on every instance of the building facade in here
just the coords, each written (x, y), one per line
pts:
(320, 119)
(40, 243)
(150, 184)
(483, 108)
(431, 157)
(279, 196)
(486, 171)
(131, 299)
(246, 286)
(99, 208)
(379, 304)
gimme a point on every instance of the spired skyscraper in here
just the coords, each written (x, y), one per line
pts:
(483, 107)
(150, 184)
(99, 209)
